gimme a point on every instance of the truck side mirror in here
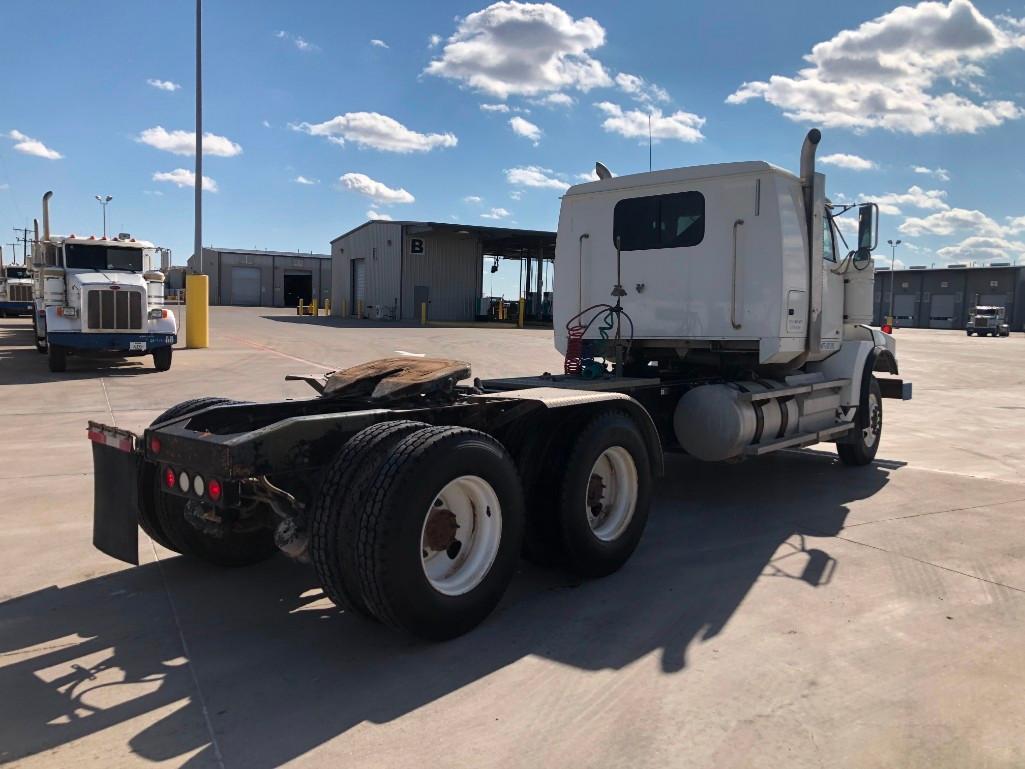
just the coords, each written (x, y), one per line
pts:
(868, 236)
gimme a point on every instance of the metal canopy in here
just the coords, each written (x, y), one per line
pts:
(506, 242)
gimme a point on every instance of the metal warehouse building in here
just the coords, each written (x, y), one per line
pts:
(264, 278)
(385, 269)
(943, 297)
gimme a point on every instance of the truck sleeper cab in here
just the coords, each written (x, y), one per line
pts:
(412, 495)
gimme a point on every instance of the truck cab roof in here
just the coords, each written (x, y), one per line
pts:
(92, 240)
(673, 175)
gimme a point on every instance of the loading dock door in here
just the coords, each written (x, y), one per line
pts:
(904, 309)
(359, 285)
(993, 300)
(245, 286)
(941, 311)
(298, 286)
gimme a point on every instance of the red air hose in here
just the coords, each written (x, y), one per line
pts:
(573, 364)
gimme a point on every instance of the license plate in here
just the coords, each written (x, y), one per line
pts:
(136, 345)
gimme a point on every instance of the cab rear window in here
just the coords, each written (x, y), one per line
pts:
(676, 220)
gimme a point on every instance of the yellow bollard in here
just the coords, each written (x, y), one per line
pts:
(345, 307)
(359, 309)
(327, 306)
(423, 313)
(197, 311)
(523, 307)
(313, 308)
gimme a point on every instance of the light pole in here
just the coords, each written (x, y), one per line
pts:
(103, 200)
(893, 265)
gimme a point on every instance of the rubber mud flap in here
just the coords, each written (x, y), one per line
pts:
(116, 502)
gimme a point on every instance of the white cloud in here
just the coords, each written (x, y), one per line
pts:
(433, 40)
(846, 224)
(534, 176)
(523, 48)
(297, 40)
(587, 176)
(163, 85)
(979, 247)
(157, 193)
(890, 73)
(184, 178)
(473, 200)
(916, 197)
(682, 126)
(496, 213)
(376, 216)
(850, 162)
(516, 194)
(29, 146)
(300, 179)
(953, 220)
(641, 89)
(378, 43)
(184, 142)
(374, 189)
(265, 123)
(557, 99)
(380, 132)
(526, 129)
(495, 107)
(939, 173)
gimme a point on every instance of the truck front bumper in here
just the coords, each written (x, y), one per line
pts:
(25, 307)
(123, 344)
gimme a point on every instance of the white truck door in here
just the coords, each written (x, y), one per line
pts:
(832, 290)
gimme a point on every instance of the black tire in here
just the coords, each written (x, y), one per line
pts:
(969, 333)
(162, 358)
(162, 517)
(334, 520)
(589, 554)
(862, 448)
(393, 580)
(57, 358)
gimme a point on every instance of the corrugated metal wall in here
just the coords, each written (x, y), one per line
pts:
(379, 244)
(450, 268)
(272, 266)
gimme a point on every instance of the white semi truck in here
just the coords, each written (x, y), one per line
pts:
(99, 297)
(15, 289)
(702, 310)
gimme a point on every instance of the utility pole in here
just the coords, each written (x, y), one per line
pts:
(649, 142)
(198, 239)
(893, 266)
(24, 240)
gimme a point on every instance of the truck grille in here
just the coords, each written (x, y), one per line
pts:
(981, 322)
(18, 292)
(108, 310)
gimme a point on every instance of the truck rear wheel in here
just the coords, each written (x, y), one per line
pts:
(334, 519)
(863, 444)
(57, 358)
(605, 494)
(440, 532)
(162, 358)
(163, 519)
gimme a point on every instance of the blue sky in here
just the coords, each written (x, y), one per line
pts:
(301, 92)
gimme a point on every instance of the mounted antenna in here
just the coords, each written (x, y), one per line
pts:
(602, 170)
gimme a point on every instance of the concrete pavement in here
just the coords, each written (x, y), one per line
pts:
(785, 611)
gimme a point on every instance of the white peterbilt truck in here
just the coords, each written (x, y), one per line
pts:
(99, 297)
(703, 310)
(15, 289)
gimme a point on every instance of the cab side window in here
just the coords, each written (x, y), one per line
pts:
(828, 244)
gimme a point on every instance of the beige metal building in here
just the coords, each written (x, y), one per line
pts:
(385, 269)
(264, 278)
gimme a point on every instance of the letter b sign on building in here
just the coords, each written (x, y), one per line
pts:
(416, 245)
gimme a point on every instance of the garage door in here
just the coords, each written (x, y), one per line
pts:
(993, 300)
(941, 311)
(904, 309)
(245, 286)
(359, 284)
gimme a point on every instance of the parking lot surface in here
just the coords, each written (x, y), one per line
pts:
(786, 611)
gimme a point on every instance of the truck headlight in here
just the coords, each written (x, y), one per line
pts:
(157, 314)
(67, 312)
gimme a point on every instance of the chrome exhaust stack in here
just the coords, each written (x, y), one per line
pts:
(46, 214)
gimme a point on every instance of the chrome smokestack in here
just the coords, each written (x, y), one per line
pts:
(46, 214)
(811, 143)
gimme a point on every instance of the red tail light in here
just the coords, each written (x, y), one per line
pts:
(154, 444)
(170, 478)
(213, 488)
(887, 328)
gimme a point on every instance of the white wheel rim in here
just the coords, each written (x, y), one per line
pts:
(875, 421)
(611, 494)
(461, 534)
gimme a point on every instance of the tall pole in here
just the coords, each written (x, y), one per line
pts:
(893, 267)
(649, 141)
(198, 239)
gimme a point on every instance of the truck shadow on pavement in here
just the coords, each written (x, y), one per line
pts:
(278, 671)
